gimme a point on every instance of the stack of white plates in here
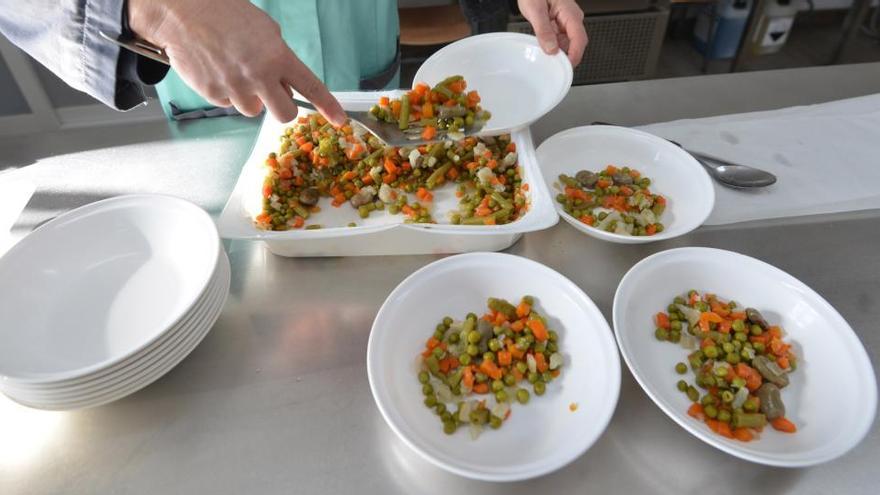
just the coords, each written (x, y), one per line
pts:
(103, 300)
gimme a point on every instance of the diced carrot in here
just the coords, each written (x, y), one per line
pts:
(467, 377)
(540, 362)
(383, 101)
(504, 358)
(390, 167)
(351, 174)
(395, 107)
(696, 411)
(743, 434)
(662, 320)
(724, 430)
(538, 329)
(489, 221)
(452, 174)
(603, 183)
(651, 229)
(444, 365)
(307, 147)
(389, 178)
(725, 326)
(626, 191)
(482, 211)
(263, 218)
(429, 132)
(500, 319)
(481, 388)
(707, 342)
(783, 362)
(523, 309)
(775, 332)
(555, 373)
(408, 211)
(524, 187)
(739, 315)
(719, 309)
(634, 174)
(518, 326)
(611, 169)
(298, 222)
(784, 425)
(432, 343)
(267, 190)
(511, 146)
(588, 220)
(427, 110)
(707, 317)
(515, 351)
(713, 424)
(367, 179)
(458, 86)
(491, 369)
(517, 375)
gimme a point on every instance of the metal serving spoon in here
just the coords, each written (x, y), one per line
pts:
(727, 173)
(388, 133)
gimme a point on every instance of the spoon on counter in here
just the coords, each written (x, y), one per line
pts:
(727, 173)
(388, 133)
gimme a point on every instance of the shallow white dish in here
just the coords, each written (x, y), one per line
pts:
(518, 83)
(832, 397)
(674, 174)
(381, 233)
(98, 284)
(203, 313)
(150, 369)
(460, 284)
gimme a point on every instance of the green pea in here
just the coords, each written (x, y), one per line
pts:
(440, 408)
(724, 416)
(427, 389)
(430, 401)
(727, 347)
(681, 368)
(473, 350)
(547, 377)
(711, 352)
(680, 300)
(521, 366)
(509, 380)
(693, 394)
(449, 427)
(675, 336)
(497, 385)
(675, 325)
(522, 396)
(710, 411)
(439, 353)
(494, 345)
(732, 358)
(424, 377)
(539, 388)
(495, 422)
(738, 382)
(552, 336)
(464, 359)
(661, 334)
(682, 386)
(474, 337)
(738, 326)
(756, 329)
(741, 336)
(532, 377)
(501, 396)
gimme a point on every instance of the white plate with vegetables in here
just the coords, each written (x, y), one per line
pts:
(550, 370)
(623, 185)
(745, 357)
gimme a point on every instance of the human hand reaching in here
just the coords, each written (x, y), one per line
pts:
(557, 24)
(232, 54)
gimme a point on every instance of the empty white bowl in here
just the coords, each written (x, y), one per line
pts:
(832, 396)
(517, 81)
(674, 173)
(97, 284)
(539, 437)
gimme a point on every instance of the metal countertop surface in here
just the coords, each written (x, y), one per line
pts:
(276, 398)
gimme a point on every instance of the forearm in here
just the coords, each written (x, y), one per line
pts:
(63, 36)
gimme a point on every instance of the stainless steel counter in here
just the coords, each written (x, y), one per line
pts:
(276, 400)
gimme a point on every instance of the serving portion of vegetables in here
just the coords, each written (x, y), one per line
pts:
(426, 112)
(348, 165)
(472, 370)
(614, 199)
(739, 360)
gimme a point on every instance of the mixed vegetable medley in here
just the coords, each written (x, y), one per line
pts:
(349, 165)
(615, 200)
(488, 356)
(426, 112)
(739, 360)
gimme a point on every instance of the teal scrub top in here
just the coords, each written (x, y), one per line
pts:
(341, 41)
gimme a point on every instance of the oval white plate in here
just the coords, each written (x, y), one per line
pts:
(674, 173)
(539, 437)
(98, 284)
(517, 81)
(832, 397)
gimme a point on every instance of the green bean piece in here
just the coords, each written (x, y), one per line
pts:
(748, 420)
(403, 123)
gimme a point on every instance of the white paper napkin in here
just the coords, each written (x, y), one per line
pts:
(826, 156)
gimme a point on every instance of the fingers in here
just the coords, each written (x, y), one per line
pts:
(247, 105)
(571, 21)
(307, 84)
(278, 100)
(538, 15)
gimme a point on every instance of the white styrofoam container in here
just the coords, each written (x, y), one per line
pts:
(381, 233)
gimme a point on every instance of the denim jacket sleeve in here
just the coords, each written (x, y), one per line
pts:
(63, 36)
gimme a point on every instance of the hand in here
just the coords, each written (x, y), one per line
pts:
(557, 24)
(232, 54)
